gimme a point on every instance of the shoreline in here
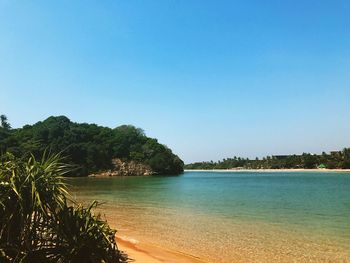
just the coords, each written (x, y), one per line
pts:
(270, 170)
(153, 234)
(149, 253)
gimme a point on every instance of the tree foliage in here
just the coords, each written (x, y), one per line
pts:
(4, 123)
(37, 224)
(334, 160)
(88, 146)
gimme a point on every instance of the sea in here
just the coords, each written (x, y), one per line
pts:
(229, 216)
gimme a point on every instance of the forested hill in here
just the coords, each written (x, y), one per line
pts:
(332, 160)
(88, 146)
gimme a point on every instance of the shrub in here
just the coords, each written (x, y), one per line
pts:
(38, 225)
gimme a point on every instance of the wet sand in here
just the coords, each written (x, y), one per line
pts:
(148, 253)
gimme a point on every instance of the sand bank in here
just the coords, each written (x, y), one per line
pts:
(271, 170)
(148, 253)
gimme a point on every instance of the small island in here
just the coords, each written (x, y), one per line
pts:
(92, 149)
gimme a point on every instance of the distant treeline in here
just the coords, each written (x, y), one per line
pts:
(88, 146)
(332, 160)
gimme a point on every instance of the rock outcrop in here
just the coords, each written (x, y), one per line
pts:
(126, 168)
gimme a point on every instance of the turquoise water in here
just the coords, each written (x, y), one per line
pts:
(279, 216)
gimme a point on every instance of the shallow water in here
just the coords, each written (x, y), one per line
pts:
(231, 217)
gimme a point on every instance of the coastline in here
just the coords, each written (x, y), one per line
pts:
(149, 253)
(156, 234)
(270, 170)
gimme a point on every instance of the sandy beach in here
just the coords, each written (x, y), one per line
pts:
(271, 170)
(148, 253)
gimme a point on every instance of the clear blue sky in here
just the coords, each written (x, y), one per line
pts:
(210, 79)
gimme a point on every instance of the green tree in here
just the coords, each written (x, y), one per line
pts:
(89, 147)
(4, 122)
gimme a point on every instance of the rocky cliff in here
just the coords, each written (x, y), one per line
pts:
(125, 168)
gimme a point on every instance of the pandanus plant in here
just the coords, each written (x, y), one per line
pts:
(38, 224)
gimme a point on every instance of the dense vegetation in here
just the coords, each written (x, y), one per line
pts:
(38, 225)
(334, 160)
(88, 146)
